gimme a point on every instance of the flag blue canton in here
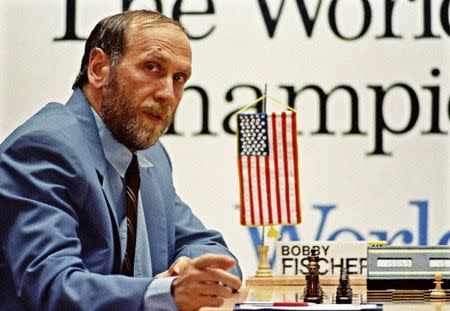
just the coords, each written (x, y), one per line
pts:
(253, 134)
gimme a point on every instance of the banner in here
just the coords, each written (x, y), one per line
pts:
(369, 80)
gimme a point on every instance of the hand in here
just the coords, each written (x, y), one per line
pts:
(203, 282)
(177, 268)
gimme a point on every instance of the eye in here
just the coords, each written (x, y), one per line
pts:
(153, 67)
(180, 77)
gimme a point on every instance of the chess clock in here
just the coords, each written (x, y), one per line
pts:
(400, 267)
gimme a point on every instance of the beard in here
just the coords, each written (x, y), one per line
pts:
(125, 116)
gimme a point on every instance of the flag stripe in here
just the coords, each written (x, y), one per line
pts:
(282, 175)
(268, 191)
(243, 206)
(291, 180)
(286, 167)
(252, 210)
(291, 172)
(263, 193)
(246, 190)
(258, 177)
(275, 157)
(295, 154)
(254, 190)
(273, 178)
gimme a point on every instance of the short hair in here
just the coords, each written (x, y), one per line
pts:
(111, 35)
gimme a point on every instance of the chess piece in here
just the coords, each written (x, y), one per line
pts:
(438, 293)
(313, 291)
(344, 292)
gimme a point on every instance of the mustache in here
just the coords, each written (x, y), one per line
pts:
(164, 112)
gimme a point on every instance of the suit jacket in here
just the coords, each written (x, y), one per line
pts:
(59, 238)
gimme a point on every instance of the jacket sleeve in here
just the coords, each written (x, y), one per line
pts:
(42, 194)
(192, 238)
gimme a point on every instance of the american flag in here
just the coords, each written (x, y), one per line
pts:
(268, 169)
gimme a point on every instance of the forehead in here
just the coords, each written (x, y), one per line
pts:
(164, 39)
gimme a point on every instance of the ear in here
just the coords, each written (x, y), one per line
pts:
(98, 68)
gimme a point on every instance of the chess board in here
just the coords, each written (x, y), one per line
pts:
(292, 288)
(397, 295)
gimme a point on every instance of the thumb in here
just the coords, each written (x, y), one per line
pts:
(180, 265)
(164, 274)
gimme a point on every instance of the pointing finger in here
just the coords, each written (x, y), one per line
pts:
(221, 277)
(214, 261)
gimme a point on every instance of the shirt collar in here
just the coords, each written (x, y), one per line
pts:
(116, 153)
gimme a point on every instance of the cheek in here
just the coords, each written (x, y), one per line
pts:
(180, 91)
(178, 96)
(175, 106)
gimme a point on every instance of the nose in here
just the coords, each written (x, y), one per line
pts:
(165, 92)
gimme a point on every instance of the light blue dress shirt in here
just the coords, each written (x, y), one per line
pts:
(158, 295)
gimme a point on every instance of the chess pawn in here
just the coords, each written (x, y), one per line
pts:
(344, 292)
(313, 291)
(438, 293)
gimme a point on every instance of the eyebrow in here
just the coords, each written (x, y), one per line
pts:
(158, 54)
(163, 58)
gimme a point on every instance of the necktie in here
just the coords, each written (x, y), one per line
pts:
(132, 183)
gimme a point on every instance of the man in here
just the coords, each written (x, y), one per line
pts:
(90, 219)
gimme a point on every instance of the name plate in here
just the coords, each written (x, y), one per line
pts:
(292, 257)
(400, 267)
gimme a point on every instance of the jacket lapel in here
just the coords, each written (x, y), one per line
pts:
(81, 108)
(155, 218)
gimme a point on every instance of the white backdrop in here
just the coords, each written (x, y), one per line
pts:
(400, 192)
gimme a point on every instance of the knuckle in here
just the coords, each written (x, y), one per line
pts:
(216, 302)
(226, 292)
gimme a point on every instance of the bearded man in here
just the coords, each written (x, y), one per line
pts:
(90, 217)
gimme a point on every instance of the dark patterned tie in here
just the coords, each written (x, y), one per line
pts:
(132, 182)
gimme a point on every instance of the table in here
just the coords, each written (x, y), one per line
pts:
(292, 293)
